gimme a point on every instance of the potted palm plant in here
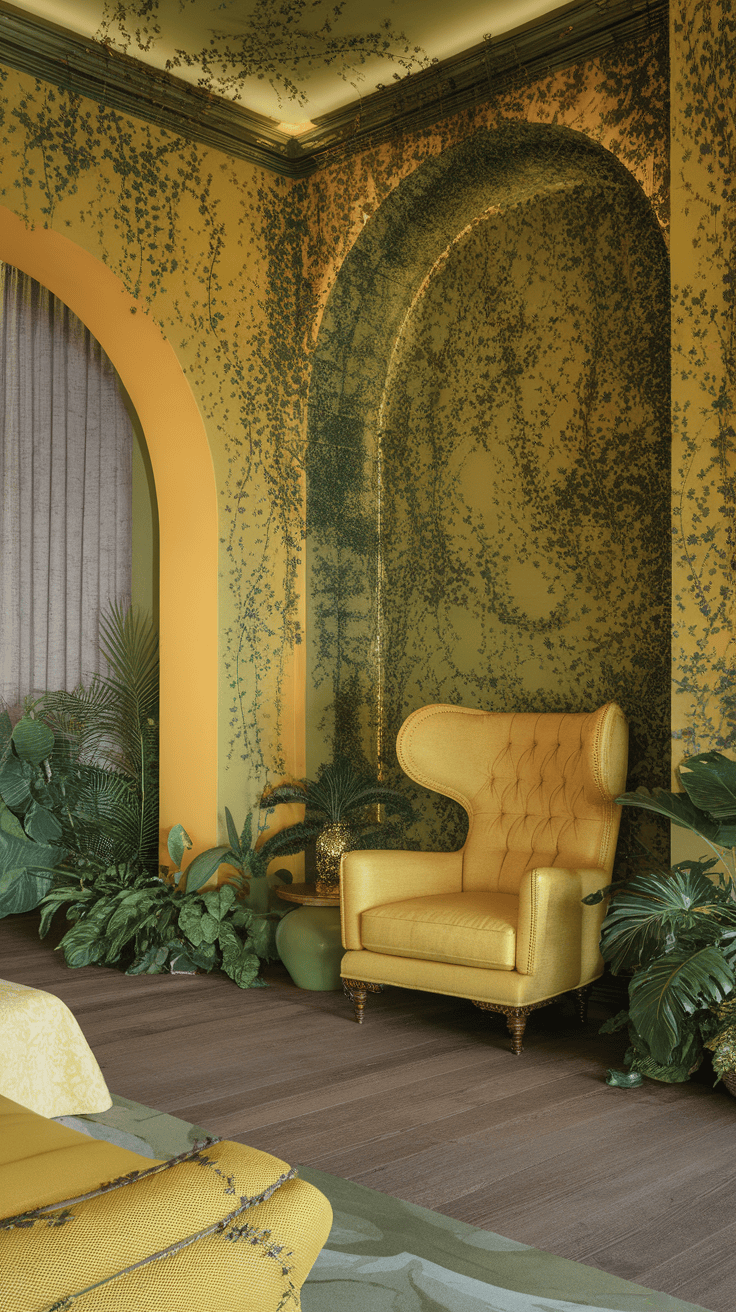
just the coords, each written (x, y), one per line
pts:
(675, 933)
(340, 814)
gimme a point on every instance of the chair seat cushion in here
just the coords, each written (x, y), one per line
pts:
(462, 929)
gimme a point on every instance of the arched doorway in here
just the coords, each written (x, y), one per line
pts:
(187, 504)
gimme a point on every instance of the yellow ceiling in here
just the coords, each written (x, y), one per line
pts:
(292, 60)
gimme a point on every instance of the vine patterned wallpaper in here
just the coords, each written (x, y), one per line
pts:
(703, 375)
(243, 271)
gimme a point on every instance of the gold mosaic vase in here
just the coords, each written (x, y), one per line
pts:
(334, 839)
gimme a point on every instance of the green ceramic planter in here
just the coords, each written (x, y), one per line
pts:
(309, 944)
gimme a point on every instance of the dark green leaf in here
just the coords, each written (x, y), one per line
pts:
(209, 928)
(83, 944)
(284, 794)
(41, 825)
(203, 867)
(241, 917)
(710, 782)
(287, 842)
(178, 843)
(615, 1023)
(261, 936)
(190, 920)
(183, 959)
(593, 899)
(33, 740)
(21, 890)
(151, 962)
(6, 730)
(22, 853)
(218, 901)
(232, 835)
(658, 906)
(245, 842)
(15, 777)
(670, 990)
(9, 823)
(677, 807)
(238, 961)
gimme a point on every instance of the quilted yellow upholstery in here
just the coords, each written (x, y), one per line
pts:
(169, 1237)
(539, 791)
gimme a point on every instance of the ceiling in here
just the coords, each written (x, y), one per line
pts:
(291, 60)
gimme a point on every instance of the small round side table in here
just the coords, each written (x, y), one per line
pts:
(308, 939)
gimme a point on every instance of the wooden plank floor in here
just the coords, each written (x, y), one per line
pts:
(426, 1102)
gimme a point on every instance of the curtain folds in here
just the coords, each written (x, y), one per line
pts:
(65, 483)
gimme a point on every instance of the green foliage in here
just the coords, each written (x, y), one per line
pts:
(676, 930)
(30, 849)
(78, 773)
(708, 805)
(259, 915)
(338, 793)
(655, 912)
(665, 996)
(135, 921)
(240, 854)
(106, 750)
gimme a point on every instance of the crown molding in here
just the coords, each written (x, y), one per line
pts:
(580, 30)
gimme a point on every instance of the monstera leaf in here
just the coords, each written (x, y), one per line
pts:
(663, 997)
(710, 782)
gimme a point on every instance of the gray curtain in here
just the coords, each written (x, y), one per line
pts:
(65, 492)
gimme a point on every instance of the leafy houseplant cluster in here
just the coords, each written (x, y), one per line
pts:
(136, 920)
(676, 932)
(79, 773)
(79, 828)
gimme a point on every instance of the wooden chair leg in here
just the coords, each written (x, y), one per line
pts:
(582, 998)
(516, 1018)
(516, 1024)
(357, 990)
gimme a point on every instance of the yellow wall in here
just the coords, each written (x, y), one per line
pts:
(703, 384)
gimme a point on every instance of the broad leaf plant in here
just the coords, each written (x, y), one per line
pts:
(674, 932)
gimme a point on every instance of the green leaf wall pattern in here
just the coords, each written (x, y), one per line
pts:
(533, 586)
(703, 375)
(488, 462)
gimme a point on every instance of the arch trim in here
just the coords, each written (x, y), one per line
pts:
(187, 503)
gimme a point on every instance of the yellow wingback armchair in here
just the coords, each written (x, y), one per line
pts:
(501, 921)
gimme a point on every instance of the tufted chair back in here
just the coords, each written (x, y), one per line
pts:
(539, 789)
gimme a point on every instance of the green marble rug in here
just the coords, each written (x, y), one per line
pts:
(384, 1255)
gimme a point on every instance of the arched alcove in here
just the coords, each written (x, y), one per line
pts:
(187, 505)
(487, 509)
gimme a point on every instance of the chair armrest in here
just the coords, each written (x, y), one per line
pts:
(553, 919)
(372, 879)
